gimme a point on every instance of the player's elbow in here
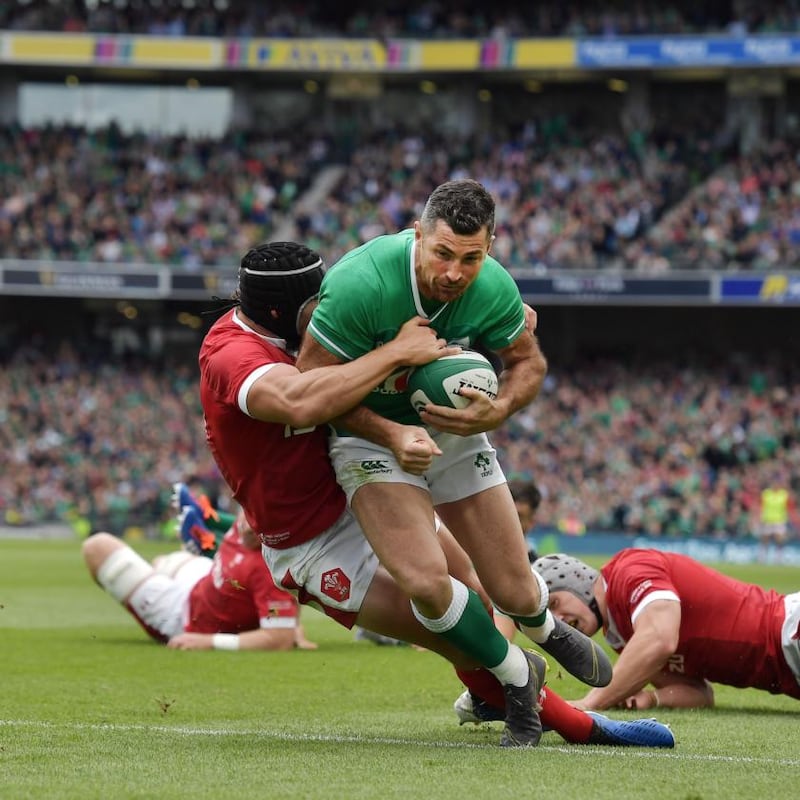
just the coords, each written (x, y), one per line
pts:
(307, 412)
(540, 363)
(656, 646)
(669, 641)
(665, 647)
(534, 368)
(539, 366)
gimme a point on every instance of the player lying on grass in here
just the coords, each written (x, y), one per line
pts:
(191, 602)
(678, 625)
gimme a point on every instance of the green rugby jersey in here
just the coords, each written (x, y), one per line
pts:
(372, 291)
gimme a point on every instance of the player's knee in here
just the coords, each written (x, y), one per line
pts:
(430, 587)
(120, 569)
(520, 598)
(97, 548)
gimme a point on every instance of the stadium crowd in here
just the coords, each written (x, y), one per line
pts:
(96, 442)
(569, 196)
(70, 194)
(747, 215)
(433, 19)
(658, 448)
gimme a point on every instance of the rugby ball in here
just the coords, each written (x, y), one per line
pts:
(439, 381)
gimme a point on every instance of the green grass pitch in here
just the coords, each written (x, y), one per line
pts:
(90, 708)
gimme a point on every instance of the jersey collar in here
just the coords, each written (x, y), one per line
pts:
(274, 340)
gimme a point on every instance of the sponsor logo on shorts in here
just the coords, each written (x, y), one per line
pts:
(375, 466)
(335, 584)
(483, 464)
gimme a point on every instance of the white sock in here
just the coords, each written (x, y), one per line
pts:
(513, 668)
(541, 633)
(454, 611)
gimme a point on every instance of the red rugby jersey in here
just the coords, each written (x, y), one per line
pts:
(238, 594)
(282, 477)
(730, 631)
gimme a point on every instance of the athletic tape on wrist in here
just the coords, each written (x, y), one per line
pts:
(225, 641)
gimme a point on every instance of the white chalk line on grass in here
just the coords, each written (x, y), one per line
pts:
(282, 736)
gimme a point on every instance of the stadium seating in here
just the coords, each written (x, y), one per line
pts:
(101, 438)
(567, 199)
(110, 197)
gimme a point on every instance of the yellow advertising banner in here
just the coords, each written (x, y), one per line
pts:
(314, 54)
(323, 55)
(544, 53)
(49, 48)
(154, 51)
(462, 54)
(129, 51)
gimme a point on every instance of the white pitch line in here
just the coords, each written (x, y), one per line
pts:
(569, 750)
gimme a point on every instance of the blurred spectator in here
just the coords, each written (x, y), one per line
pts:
(438, 19)
(776, 506)
(659, 449)
(69, 194)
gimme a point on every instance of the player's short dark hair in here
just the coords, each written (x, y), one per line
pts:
(465, 205)
(276, 281)
(527, 492)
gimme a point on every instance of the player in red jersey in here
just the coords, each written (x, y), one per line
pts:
(191, 602)
(678, 625)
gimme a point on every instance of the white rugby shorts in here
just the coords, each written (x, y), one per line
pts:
(468, 465)
(158, 598)
(332, 572)
(789, 640)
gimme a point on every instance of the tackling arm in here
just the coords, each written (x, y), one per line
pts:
(412, 445)
(315, 396)
(360, 420)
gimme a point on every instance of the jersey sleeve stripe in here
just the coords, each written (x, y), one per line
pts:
(328, 344)
(241, 397)
(663, 594)
(516, 332)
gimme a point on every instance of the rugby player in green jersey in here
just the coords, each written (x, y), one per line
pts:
(396, 471)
